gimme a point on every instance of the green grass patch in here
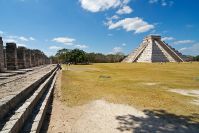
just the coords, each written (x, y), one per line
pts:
(142, 85)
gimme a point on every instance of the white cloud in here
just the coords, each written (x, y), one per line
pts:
(123, 44)
(110, 34)
(55, 47)
(64, 40)
(1, 32)
(114, 17)
(125, 2)
(101, 5)
(162, 2)
(31, 38)
(192, 50)
(167, 38)
(131, 24)
(67, 41)
(22, 38)
(81, 46)
(153, 1)
(184, 42)
(183, 49)
(117, 50)
(8, 40)
(21, 44)
(125, 10)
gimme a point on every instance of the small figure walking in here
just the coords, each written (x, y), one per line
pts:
(59, 66)
(68, 65)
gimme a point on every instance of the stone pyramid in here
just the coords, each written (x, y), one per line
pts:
(153, 49)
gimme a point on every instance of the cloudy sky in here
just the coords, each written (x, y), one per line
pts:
(105, 26)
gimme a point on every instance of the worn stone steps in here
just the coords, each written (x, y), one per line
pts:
(11, 101)
(34, 122)
(132, 57)
(19, 76)
(171, 51)
(18, 107)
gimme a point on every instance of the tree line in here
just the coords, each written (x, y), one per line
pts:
(196, 58)
(77, 56)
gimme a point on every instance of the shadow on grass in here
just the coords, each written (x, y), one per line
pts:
(158, 121)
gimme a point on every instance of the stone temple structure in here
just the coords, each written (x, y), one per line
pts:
(16, 58)
(153, 49)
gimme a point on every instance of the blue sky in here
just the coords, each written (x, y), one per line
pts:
(106, 26)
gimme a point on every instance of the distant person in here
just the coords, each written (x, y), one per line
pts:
(59, 66)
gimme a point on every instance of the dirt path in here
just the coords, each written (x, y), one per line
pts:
(62, 117)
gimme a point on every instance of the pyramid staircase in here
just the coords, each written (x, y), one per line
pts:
(152, 49)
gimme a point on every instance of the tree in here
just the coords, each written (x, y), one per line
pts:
(196, 58)
(78, 56)
(63, 55)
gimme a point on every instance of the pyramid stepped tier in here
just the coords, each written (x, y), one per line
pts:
(178, 53)
(153, 49)
(166, 54)
(170, 51)
(135, 54)
(146, 54)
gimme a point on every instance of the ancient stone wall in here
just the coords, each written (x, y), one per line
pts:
(13, 58)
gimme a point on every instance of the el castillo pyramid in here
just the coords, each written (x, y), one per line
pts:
(153, 49)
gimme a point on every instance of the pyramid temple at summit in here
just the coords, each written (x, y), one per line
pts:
(153, 49)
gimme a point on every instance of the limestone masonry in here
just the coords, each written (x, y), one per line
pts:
(13, 57)
(27, 80)
(2, 66)
(153, 49)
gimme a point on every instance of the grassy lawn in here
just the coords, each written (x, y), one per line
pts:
(144, 86)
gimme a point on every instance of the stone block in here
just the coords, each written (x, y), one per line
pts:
(2, 61)
(21, 57)
(11, 55)
(28, 58)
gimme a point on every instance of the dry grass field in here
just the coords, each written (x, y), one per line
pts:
(141, 85)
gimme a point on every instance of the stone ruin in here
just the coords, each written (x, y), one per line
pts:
(153, 49)
(13, 57)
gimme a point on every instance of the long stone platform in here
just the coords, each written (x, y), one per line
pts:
(27, 80)
(24, 96)
(11, 75)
